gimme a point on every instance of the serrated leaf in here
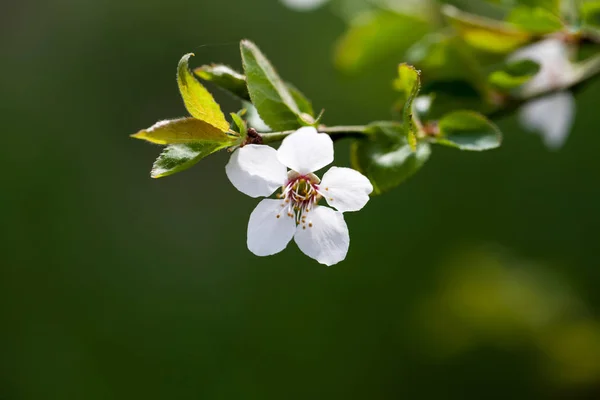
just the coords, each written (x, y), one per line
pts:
(485, 33)
(226, 78)
(514, 74)
(269, 94)
(178, 157)
(468, 130)
(386, 158)
(375, 36)
(590, 14)
(198, 101)
(183, 130)
(408, 83)
(536, 20)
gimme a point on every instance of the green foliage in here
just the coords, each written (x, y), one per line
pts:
(183, 130)
(535, 20)
(178, 157)
(408, 83)
(270, 96)
(386, 157)
(590, 14)
(198, 101)
(449, 95)
(514, 74)
(484, 33)
(376, 35)
(239, 123)
(226, 78)
(468, 130)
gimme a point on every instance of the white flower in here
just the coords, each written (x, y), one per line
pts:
(550, 115)
(320, 232)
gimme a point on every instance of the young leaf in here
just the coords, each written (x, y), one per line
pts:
(375, 36)
(514, 74)
(269, 94)
(183, 130)
(178, 157)
(409, 84)
(235, 83)
(239, 123)
(386, 158)
(468, 130)
(535, 20)
(590, 14)
(484, 33)
(226, 78)
(198, 101)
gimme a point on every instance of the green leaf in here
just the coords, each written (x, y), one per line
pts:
(386, 158)
(268, 92)
(536, 20)
(451, 95)
(514, 74)
(226, 78)
(183, 130)
(468, 130)
(551, 5)
(304, 105)
(376, 36)
(409, 84)
(239, 122)
(484, 33)
(235, 83)
(198, 101)
(178, 157)
(590, 14)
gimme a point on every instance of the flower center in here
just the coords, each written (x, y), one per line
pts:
(300, 194)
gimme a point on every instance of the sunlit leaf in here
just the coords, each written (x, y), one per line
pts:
(178, 157)
(183, 130)
(198, 101)
(590, 14)
(408, 83)
(514, 74)
(535, 20)
(269, 94)
(484, 33)
(226, 78)
(375, 36)
(386, 158)
(468, 130)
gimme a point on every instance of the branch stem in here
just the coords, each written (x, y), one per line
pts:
(335, 131)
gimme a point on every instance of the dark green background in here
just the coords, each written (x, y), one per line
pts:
(117, 286)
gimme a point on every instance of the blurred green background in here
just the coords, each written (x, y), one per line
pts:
(478, 278)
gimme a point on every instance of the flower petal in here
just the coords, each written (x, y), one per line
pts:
(255, 170)
(556, 69)
(324, 236)
(270, 228)
(345, 189)
(306, 150)
(552, 116)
